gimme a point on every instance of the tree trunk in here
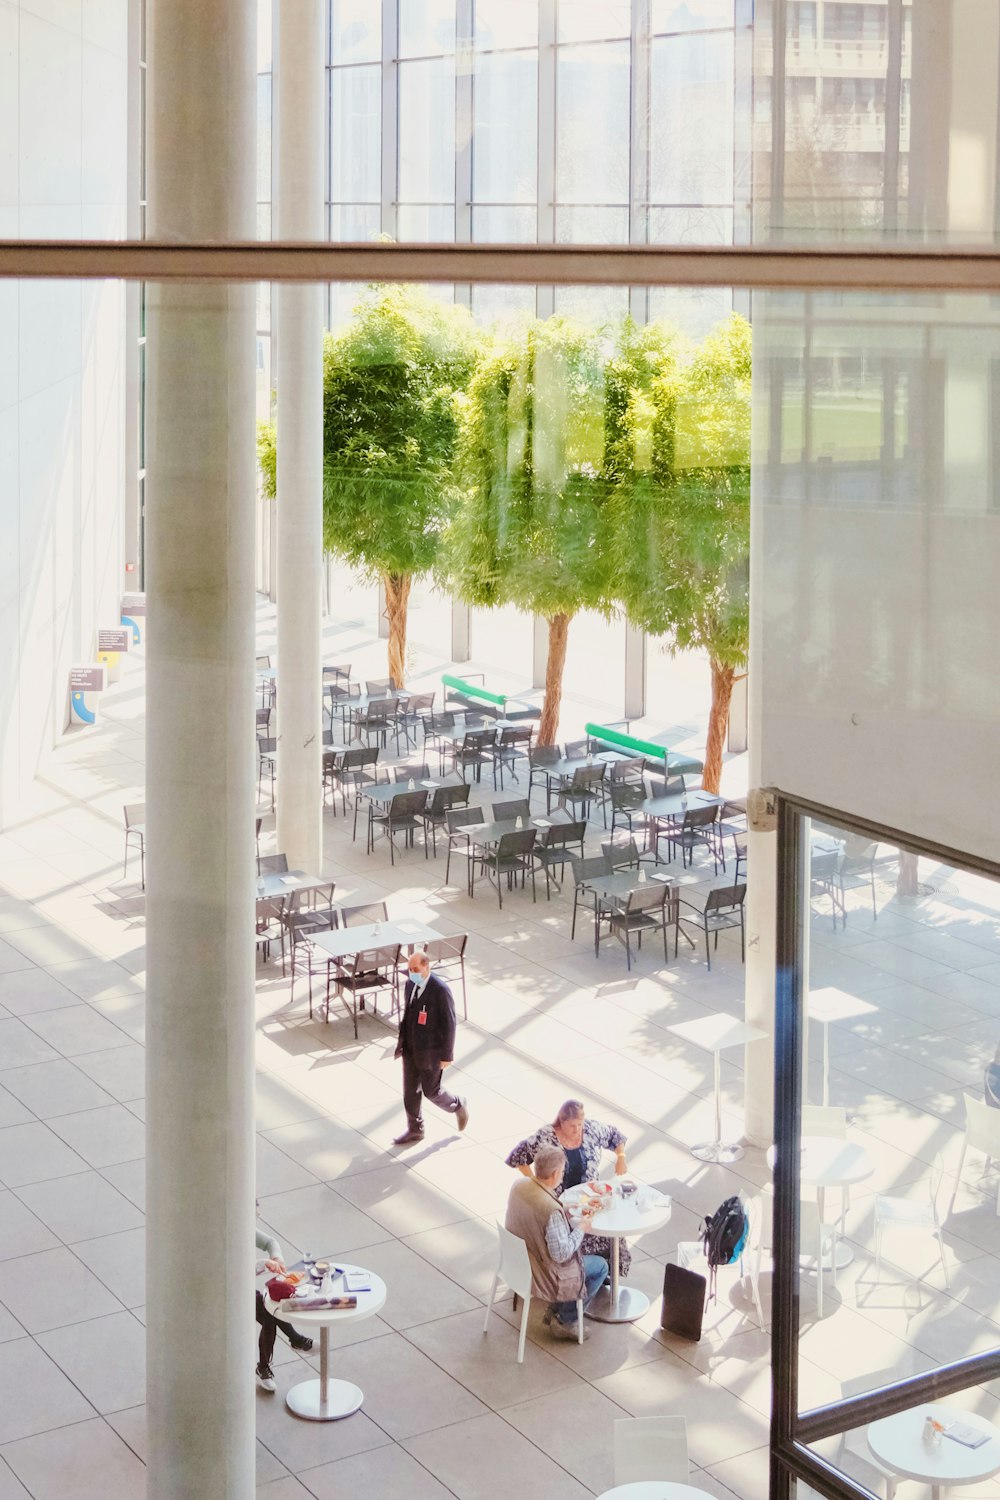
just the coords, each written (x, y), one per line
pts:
(906, 884)
(718, 722)
(397, 595)
(554, 663)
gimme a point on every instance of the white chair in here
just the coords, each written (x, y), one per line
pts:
(691, 1253)
(982, 1133)
(514, 1270)
(856, 1440)
(651, 1448)
(918, 1214)
(817, 1241)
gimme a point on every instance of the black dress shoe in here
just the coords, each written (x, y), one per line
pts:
(409, 1138)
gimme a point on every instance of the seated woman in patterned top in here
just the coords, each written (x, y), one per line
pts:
(583, 1141)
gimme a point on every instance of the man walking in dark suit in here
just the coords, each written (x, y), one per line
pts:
(427, 1046)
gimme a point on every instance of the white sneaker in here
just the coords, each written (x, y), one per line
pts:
(265, 1378)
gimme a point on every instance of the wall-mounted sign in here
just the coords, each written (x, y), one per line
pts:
(134, 610)
(86, 683)
(119, 638)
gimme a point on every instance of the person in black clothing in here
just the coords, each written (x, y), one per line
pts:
(427, 1046)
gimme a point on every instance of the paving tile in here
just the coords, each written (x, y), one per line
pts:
(405, 1392)
(37, 1397)
(129, 1177)
(95, 978)
(305, 1445)
(487, 1459)
(12, 1111)
(278, 1172)
(388, 1473)
(120, 1071)
(465, 1252)
(486, 1363)
(575, 1427)
(80, 1207)
(31, 989)
(397, 1197)
(10, 1328)
(104, 1357)
(32, 1153)
(328, 1148)
(54, 1088)
(21, 1233)
(119, 1260)
(20, 1045)
(287, 1488)
(318, 1219)
(85, 1462)
(11, 1487)
(77, 1028)
(49, 945)
(717, 1428)
(416, 1291)
(52, 1289)
(103, 1136)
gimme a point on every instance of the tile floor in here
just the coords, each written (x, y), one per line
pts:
(448, 1412)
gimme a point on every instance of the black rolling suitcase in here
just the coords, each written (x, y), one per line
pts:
(683, 1302)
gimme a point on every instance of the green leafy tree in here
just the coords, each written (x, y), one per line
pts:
(391, 384)
(527, 520)
(680, 532)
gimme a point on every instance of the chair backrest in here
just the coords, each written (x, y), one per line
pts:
(506, 812)
(520, 841)
(667, 786)
(626, 796)
(576, 749)
(262, 717)
(700, 817)
(272, 864)
(464, 817)
(376, 961)
(475, 741)
(445, 797)
(824, 1119)
(726, 898)
(651, 1448)
(519, 734)
(339, 674)
(515, 1267)
(628, 770)
(355, 760)
(982, 1126)
(405, 804)
(327, 739)
(824, 867)
(378, 687)
(266, 743)
(262, 662)
(560, 835)
(380, 709)
(648, 897)
(135, 812)
(544, 755)
(412, 771)
(585, 777)
(438, 723)
(590, 867)
(447, 949)
(624, 855)
(357, 916)
(420, 703)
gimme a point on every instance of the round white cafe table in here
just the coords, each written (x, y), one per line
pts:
(655, 1489)
(617, 1303)
(830, 1161)
(327, 1400)
(898, 1444)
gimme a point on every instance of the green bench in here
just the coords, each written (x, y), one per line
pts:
(607, 738)
(468, 693)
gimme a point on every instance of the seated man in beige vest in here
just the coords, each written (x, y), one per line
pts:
(558, 1271)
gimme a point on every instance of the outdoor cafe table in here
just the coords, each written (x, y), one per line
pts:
(613, 890)
(276, 884)
(345, 942)
(354, 708)
(897, 1443)
(326, 1400)
(623, 1216)
(381, 793)
(671, 809)
(482, 835)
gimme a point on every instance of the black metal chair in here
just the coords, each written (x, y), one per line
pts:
(583, 790)
(380, 719)
(272, 864)
(473, 751)
(513, 745)
(625, 854)
(510, 811)
(436, 726)
(361, 916)
(857, 870)
(625, 800)
(403, 815)
(411, 770)
(540, 758)
(555, 847)
(379, 687)
(825, 880)
(349, 769)
(135, 837)
(513, 855)
(448, 957)
(416, 708)
(267, 746)
(722, 909)
(697, 827)
(444, 800)
(298, 919)
(577, 749)
(369, 972)
(649, 908)
(591, 867)
(457, 822)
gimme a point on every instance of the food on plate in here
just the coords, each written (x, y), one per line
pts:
(294, 1277)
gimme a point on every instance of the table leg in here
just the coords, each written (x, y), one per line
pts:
(717, 1151)
(324, 1400)
(617, 1303)
(826, 1063)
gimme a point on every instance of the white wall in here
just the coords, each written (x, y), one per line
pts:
(62, 354)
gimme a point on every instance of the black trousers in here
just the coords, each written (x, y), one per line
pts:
(422, 1080)
(269, 1326)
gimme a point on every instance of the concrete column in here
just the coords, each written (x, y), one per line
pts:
(200, 765)
(297, 165)
(461, 631)
(539, 651)
(635, 672)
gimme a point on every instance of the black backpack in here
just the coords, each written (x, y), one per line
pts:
(724, 1237)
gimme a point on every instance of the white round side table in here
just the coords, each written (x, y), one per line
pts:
(898, 1444)
(327, 1400)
